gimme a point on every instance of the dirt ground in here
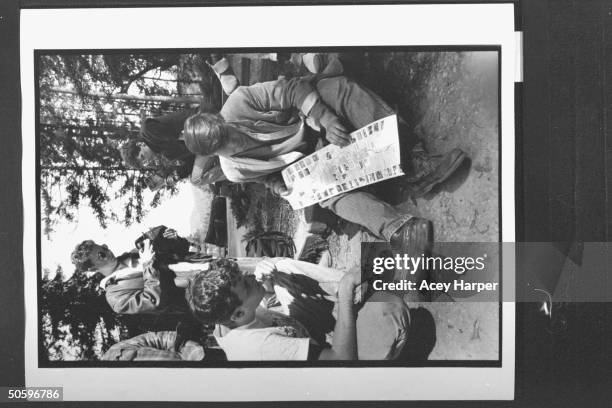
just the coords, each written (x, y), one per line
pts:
(451, 101)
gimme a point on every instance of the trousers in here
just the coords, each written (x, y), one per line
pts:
(359, 106)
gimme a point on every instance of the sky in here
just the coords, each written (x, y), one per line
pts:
(174, 212)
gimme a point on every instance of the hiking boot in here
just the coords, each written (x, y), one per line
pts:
(430, 171)
(414, 238)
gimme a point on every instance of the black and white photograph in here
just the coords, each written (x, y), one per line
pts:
(166, 235)
(280, 208)
(306, 203)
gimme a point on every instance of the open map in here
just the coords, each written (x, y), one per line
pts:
(373, 156)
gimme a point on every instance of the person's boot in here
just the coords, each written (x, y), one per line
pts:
(414, 238)
(429, 171)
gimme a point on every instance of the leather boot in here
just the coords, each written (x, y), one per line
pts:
(414, 238)
(429, 171)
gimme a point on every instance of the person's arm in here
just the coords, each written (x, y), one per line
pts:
(328, 278)
(125, 273)
(154, 346)
(263, 273)
(344, 345)
(296, 93)
(149, 298)
(273, 182)
(206, 170)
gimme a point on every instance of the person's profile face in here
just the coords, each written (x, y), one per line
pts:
(146, 156)
(101, 257)
(250, 292)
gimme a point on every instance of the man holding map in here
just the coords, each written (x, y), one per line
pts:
(264, 128)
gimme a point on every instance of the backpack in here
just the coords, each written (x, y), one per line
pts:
(167, 250)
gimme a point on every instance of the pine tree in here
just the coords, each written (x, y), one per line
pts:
(77, 321)
(86, 114)
(81, 164)
(78, 324)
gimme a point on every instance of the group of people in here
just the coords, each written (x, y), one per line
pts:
(280, 309)
(262, 309)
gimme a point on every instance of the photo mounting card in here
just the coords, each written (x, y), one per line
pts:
(447, 71)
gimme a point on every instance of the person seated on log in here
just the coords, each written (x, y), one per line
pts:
(166, 173)
(161, 149)
(139, 281)
(265, 127)
(321, 315)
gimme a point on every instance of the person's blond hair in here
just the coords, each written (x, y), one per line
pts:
(204, 133)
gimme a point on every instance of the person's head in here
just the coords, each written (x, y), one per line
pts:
(136, 154)
(205, 132)
(93, 258)
(224, 295)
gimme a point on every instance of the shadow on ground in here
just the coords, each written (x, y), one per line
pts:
(423, 336)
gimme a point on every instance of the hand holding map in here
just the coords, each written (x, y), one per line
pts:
(372, 156)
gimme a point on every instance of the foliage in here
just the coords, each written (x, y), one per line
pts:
(239, 205)
(115, 72)
(75, 310)
(269, 244)
(314, 246)
(78, 323)
(258, 209)
(80, 132)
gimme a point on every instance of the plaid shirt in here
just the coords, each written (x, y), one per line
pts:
(154, 346)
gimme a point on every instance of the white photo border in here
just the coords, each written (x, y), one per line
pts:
(224, 27)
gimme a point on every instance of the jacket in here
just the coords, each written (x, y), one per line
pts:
(273, 113)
